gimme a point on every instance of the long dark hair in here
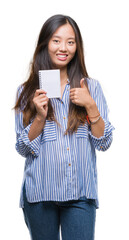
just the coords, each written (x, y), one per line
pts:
(76, 70)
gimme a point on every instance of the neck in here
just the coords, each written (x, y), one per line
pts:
(63, 76)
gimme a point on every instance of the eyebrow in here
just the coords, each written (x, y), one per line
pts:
(60, 37)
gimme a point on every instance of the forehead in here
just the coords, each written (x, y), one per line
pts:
(65, 31)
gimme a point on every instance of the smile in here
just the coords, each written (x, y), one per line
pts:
(62, 57)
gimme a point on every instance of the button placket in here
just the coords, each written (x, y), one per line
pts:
(67, 149)
(64, 116)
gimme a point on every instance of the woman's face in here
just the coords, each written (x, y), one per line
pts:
(62, 46)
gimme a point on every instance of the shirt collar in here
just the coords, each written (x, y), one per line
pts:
(68, 82)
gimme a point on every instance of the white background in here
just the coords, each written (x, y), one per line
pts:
(104, 27)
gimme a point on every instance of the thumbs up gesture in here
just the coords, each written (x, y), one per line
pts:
(81, 96)
(82, 84)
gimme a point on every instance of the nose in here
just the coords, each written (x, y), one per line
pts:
(63, 47)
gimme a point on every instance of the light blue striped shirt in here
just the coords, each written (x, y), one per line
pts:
(61, 167)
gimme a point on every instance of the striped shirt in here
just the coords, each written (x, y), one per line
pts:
(60, 167)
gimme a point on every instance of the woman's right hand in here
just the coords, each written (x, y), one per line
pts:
(40, 101)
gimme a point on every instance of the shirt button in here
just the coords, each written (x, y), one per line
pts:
(64, 117)
(67, 148)
(101, 147)
(69, 164)
(32, 152)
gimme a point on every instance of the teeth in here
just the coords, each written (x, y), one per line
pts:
(62, 56)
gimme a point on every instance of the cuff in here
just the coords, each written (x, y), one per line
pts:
(104, 142)
(34, 145)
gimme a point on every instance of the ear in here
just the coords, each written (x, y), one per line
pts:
(82, 84)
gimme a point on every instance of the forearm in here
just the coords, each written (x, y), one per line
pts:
(36, 128)
(100, 133)
(97, 128)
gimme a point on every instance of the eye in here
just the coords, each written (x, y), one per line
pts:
(56, 41)
(71, 42)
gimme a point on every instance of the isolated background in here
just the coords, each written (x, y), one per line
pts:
(104, 27)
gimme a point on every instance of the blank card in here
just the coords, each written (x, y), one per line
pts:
(49, 80)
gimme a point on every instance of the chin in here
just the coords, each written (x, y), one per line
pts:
(60, 66)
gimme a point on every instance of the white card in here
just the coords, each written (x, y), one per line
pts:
(49, 80)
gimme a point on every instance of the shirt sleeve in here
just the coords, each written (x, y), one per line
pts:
(23, 145)
(104, 142)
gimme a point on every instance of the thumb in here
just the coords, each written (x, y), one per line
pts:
(82, 84)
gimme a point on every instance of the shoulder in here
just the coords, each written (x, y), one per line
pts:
(19, 90)
(18, 95)
(93, 84)
(96, 91)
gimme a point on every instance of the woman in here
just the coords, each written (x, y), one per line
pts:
(58, 137)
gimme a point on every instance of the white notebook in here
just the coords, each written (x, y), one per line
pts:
(49, 80)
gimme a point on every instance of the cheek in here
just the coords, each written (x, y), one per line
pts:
(51, 49)
(73, 52)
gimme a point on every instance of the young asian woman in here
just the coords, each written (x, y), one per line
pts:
(59, 138)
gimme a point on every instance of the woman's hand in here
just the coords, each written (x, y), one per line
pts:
(40, 101)
(81, 96)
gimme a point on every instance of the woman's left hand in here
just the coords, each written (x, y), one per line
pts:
(81, 96)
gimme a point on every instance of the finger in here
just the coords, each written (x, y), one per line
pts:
(74, 101)
(40, 97)
(40, 102)
(72, 95)
(41, 105)
(82, 83)
(43, 99)
(44, 103)
(72, 90)
(73, 98)
(39, 91)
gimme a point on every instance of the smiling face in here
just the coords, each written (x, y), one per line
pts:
(62, 46)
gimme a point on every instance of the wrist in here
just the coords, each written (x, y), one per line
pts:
(95, 119)
(92, 110)
(40, 118)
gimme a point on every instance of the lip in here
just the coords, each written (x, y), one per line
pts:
(62, 57)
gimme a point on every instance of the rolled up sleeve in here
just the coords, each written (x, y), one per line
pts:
(23, 145)
(104, 142)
